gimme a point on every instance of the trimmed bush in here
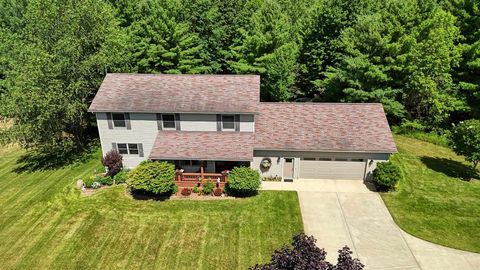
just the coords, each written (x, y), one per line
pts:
(217, 192)
(208, 187)
(153, 177)
(195, 189)
(386, 175)
(186, 191)
(113, 161)
(120, 177)
(104, 180)
(243, 181)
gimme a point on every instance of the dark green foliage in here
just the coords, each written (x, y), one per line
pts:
(466, 141)
(305, 255)
(152, 177)
(113, 161)
(420, 59)
(52, 64)
(386, 175)
(208, 187)
(161, 42)
(243, 181)
(121, 177)
(104, 180)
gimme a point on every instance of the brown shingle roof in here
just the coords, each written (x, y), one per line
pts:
(205, 145)
(177, 93)
(323, 127)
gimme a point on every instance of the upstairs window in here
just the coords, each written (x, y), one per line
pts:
(228, 122)
(119, 120)
(168, 121)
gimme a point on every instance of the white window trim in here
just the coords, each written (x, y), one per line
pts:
(221, 120)
(174, 122)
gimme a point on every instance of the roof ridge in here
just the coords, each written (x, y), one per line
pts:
(180, 75)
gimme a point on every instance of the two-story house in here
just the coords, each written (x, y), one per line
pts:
(218, 122)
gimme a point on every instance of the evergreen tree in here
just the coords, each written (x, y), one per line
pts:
(268, 47)
(467, 73)
(400, 56)
(321, 47)
(161, 43)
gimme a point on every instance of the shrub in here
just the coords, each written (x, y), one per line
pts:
(243, 181)
(96, 185)
(120, 177)
(113, 161)
(386, 175)
(89, 181)
(104, 180)
(208, 187)
(217, 192)
(186, 191)
(304, 254)
(195, 189)
(466, 141)
(153, 177)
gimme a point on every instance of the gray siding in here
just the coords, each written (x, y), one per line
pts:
(277, 160)
(144, 129)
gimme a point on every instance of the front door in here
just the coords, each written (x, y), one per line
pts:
(288, 168)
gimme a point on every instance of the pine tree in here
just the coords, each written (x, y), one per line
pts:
(161, 43)
(268, 47)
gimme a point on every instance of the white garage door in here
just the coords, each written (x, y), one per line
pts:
(332, 169)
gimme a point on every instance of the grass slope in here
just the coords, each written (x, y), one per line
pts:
(45, 224)
(433, 202)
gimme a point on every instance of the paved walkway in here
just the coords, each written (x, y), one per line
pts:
(343, 212)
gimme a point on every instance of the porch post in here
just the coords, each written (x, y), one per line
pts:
(202, 171)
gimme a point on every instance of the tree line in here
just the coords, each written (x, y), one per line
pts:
(419, 58)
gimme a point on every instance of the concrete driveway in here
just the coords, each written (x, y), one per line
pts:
(344, 212)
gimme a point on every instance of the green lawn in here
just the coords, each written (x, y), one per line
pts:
(44, 224)
(433, 202)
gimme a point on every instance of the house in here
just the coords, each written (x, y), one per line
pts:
(211, 123)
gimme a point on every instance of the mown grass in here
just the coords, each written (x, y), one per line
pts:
(46, 224)
(433, 201)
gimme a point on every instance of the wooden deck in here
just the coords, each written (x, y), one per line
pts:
(197, 179)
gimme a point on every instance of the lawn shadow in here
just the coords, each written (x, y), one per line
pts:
(145, 196)
(54, 158)
(448, 167)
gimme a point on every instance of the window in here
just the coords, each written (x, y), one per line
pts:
(122, 148)
(119, 120)
(324, 159)
(341, 159)
(133, 148)
(128, 148)
(228, 122)
(308, 158)
(168, 121)
(357, 159)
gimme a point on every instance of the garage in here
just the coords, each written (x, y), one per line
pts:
(322, 168)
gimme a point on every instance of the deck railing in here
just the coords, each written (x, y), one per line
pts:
(200, 177)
